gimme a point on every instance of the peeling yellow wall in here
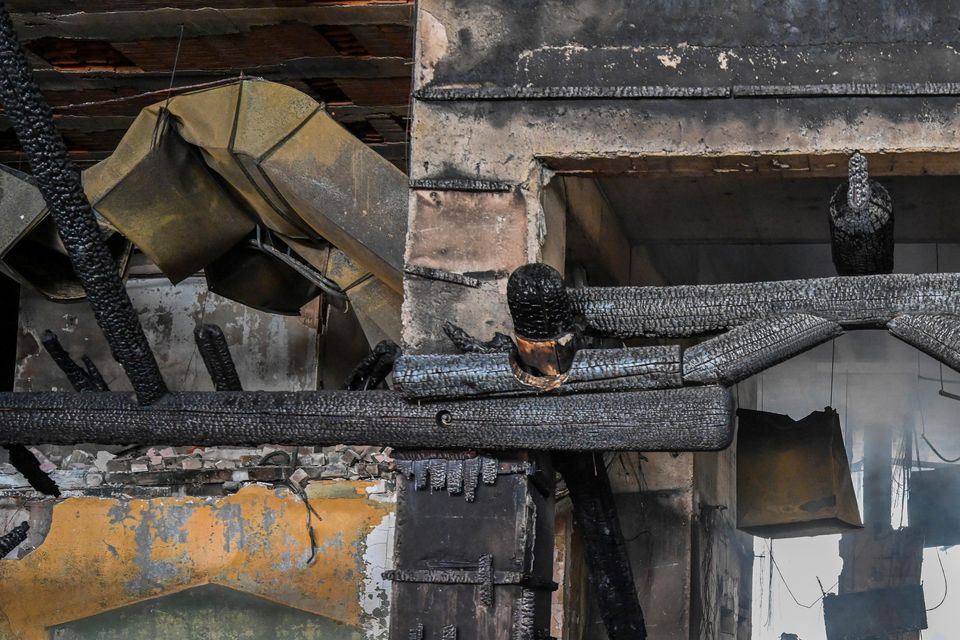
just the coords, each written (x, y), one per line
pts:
(101, 554)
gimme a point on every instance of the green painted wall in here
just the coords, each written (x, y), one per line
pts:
(205, 613)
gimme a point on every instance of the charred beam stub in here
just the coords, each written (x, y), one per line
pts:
(861, 223)
(862, 302)
(542, 319)
(689, 419)
(81, 379)
(27, 464)
(13, 539)
(59, 182)
(374, 368)
(431, 377)
(213, 348)
(936, 335)
(547, 343)
(468, 344)
(755, 346)
(595, 515)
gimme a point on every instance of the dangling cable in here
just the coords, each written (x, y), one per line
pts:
(923, 423)
(833, 362)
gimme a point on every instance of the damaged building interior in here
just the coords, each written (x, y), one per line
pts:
(479, 319)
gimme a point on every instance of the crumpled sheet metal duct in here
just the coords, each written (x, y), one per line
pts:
(793, 478)
(247, 152)
(31, 251)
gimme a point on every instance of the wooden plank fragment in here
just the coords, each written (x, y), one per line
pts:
(492, 374)
(695, 418)
(755, 346)
(854, 302)
(936, 335)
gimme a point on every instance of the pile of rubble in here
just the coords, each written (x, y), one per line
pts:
(204, 469)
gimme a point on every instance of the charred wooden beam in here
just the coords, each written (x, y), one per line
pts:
(498, 374)
(12, 539)
(594, 510)
(755, 346)
(861, 223)
(374, 368)
(936, 335)
(213, 348)
(547, 343)
(59, 182)
(468, 344)
(28, 466)
(863, 302)
(696, 418)
(82, 379)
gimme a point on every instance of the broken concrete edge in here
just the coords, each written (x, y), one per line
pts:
(86, 471)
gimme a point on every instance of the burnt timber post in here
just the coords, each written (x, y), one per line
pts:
(547, 341)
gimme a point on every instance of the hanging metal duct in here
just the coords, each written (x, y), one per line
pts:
(793, 479)
(195, 176)
(31, 251)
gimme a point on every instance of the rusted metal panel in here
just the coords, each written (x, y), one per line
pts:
(793, 478)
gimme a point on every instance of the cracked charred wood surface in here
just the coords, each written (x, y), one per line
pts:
(936, 335)
(59, 183)
(861, 223)
(27, 464)
(595, 516)
(690, 310)
(12, 539)
(493, 374)
(697, 418)
(755, 346)
(374, 368)
(212, 345)
(80, 378)
(468, 344)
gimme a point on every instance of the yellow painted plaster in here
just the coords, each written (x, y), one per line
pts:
(101, 554)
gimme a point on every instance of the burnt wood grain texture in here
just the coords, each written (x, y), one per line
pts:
(696, 418)
(86, 378)
(691, 310)
(936, 335)
(493, 374)
(861, 223)
(12, 539)
(59, 183)
(595, 517)
(212, 345)
(755, 346)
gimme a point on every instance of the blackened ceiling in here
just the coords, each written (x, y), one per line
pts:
(353, 55)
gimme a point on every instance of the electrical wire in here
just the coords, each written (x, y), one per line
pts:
(923, 421)
(790, 591)
(945, 586)
(147, 94)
